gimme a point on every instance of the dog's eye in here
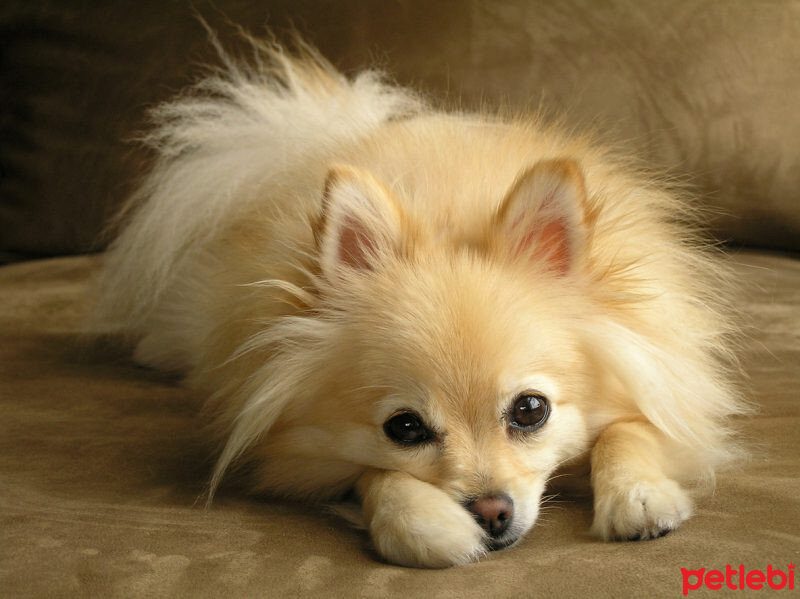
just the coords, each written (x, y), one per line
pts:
(406, 428)
(529, 411)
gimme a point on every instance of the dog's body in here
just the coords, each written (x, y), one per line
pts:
(436, 310)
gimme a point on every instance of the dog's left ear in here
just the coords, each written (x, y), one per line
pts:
(542, 216)
(359, 223)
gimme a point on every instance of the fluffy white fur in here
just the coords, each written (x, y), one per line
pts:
(317, 254)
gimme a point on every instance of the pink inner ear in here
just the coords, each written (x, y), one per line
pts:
(555, 243)
(550, 242)
(354, 245)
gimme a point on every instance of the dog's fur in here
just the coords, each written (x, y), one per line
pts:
(318, 254)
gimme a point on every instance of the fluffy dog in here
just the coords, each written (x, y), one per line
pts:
(435, 310)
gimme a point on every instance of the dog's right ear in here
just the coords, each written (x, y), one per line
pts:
(542, 216)
(359, 222)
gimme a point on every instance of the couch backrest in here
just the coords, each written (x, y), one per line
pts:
(709, 91)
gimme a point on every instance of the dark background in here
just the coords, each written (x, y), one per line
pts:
(707, 91)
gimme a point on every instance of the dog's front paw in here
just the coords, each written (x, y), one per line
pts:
(645, 510)
(416, 524)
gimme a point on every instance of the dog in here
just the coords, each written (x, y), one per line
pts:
(434, 311)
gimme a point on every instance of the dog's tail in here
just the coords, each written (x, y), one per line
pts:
(242, 127)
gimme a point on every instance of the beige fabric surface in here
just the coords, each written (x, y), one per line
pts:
(101, 463)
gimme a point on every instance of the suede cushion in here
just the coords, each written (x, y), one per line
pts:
(705, 90)
(101, 465)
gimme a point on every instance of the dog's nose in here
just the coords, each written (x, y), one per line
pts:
(493, 513)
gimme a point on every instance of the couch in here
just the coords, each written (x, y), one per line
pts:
(102, 462)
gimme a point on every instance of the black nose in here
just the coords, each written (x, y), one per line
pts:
(493, 513)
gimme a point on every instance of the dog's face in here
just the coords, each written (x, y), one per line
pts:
(462, 365)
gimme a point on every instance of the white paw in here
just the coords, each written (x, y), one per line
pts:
(432, 531)
(645, 510)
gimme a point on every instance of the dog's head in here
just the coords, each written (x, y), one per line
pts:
(457, 359)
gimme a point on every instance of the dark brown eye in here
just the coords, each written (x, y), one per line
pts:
(407, 428)
(529, 411)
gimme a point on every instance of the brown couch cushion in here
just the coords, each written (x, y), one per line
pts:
(709, 90)
(101, 465)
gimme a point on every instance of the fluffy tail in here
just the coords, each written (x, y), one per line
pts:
(234, 132)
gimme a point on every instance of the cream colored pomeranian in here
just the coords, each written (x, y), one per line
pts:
(434, 310)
